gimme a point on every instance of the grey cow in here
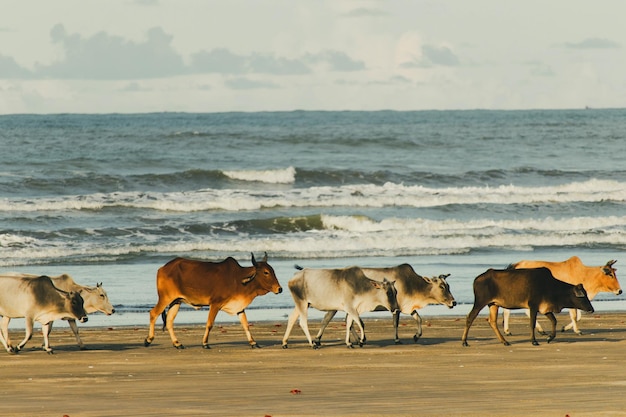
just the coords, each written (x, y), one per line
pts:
(414, 292)
(347, 289)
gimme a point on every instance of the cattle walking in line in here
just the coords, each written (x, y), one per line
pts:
(595, 279)
(94, 299)
(535, 289)
(414, 292)
(224, 285)
(347, 289)
(35, 299)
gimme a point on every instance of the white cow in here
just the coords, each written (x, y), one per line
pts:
(95, 298)
(346, 289)
(35, 299)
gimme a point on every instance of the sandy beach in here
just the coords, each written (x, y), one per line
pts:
(118, 376)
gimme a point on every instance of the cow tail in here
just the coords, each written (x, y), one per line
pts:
(164, 316)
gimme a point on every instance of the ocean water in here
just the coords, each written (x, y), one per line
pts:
(111, 198)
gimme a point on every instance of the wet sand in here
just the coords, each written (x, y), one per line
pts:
(574, 375)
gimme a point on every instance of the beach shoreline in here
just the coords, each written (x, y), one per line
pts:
(574, 375)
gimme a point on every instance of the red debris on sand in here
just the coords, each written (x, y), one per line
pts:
(295, 391)
(278, 325)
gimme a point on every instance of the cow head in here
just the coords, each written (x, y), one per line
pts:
(612, 282)
(264, 275)
(440, 290)
(581, 300)
(75, 305)
(96, 299)
(391, 293)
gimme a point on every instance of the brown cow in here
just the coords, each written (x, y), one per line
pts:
(221, 285)
(535, 289)
(595, 279)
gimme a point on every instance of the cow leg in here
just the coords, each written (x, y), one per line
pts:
(471, 316)
(45, 330)
(533, 321)
(552, 319)
(353, 316)
(28, 334)
(74, 328)
(418, 319)
(209, 326)
(325, 321)
(506, 317)
(537, 325)
(574, 315)
(246, 328)
(154, 314)
(4, 335)
(169, 324)
(493, 322)
(290, 322)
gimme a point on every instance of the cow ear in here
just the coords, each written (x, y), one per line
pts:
(428, 280)
(265, 257)
(376, 284)
(246, 280)
(444, 276)
(579, 291)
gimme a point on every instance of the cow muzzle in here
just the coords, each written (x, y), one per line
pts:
(84, 319)
(618, 292)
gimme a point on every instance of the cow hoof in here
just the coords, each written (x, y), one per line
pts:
(465, 344)
(535, 343)
(507, 333)
(146, 343)
(285, 346)
(416, 338)
(317, 342)
(206, 346)
(179, 347)
(50, 352)
(255, 346)
(350, 346)
(550, 339)
(506, 343)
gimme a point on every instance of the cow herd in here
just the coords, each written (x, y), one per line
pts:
(539, 287)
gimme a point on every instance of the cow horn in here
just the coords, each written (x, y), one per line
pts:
(265, 257)
(610, 263)
(253, 260)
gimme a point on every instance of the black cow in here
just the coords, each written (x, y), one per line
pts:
(535, 289)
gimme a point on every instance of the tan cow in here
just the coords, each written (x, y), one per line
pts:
(222, 285)
(595, 279)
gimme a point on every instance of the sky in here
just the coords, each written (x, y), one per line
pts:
(137, 56)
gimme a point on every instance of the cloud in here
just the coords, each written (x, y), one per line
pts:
(107, 57)
(432, 56)
(9, 68)
(335, 61)
(223, 61)
(593, 43)
(364, 12)
(441, 55)
(248, 84)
